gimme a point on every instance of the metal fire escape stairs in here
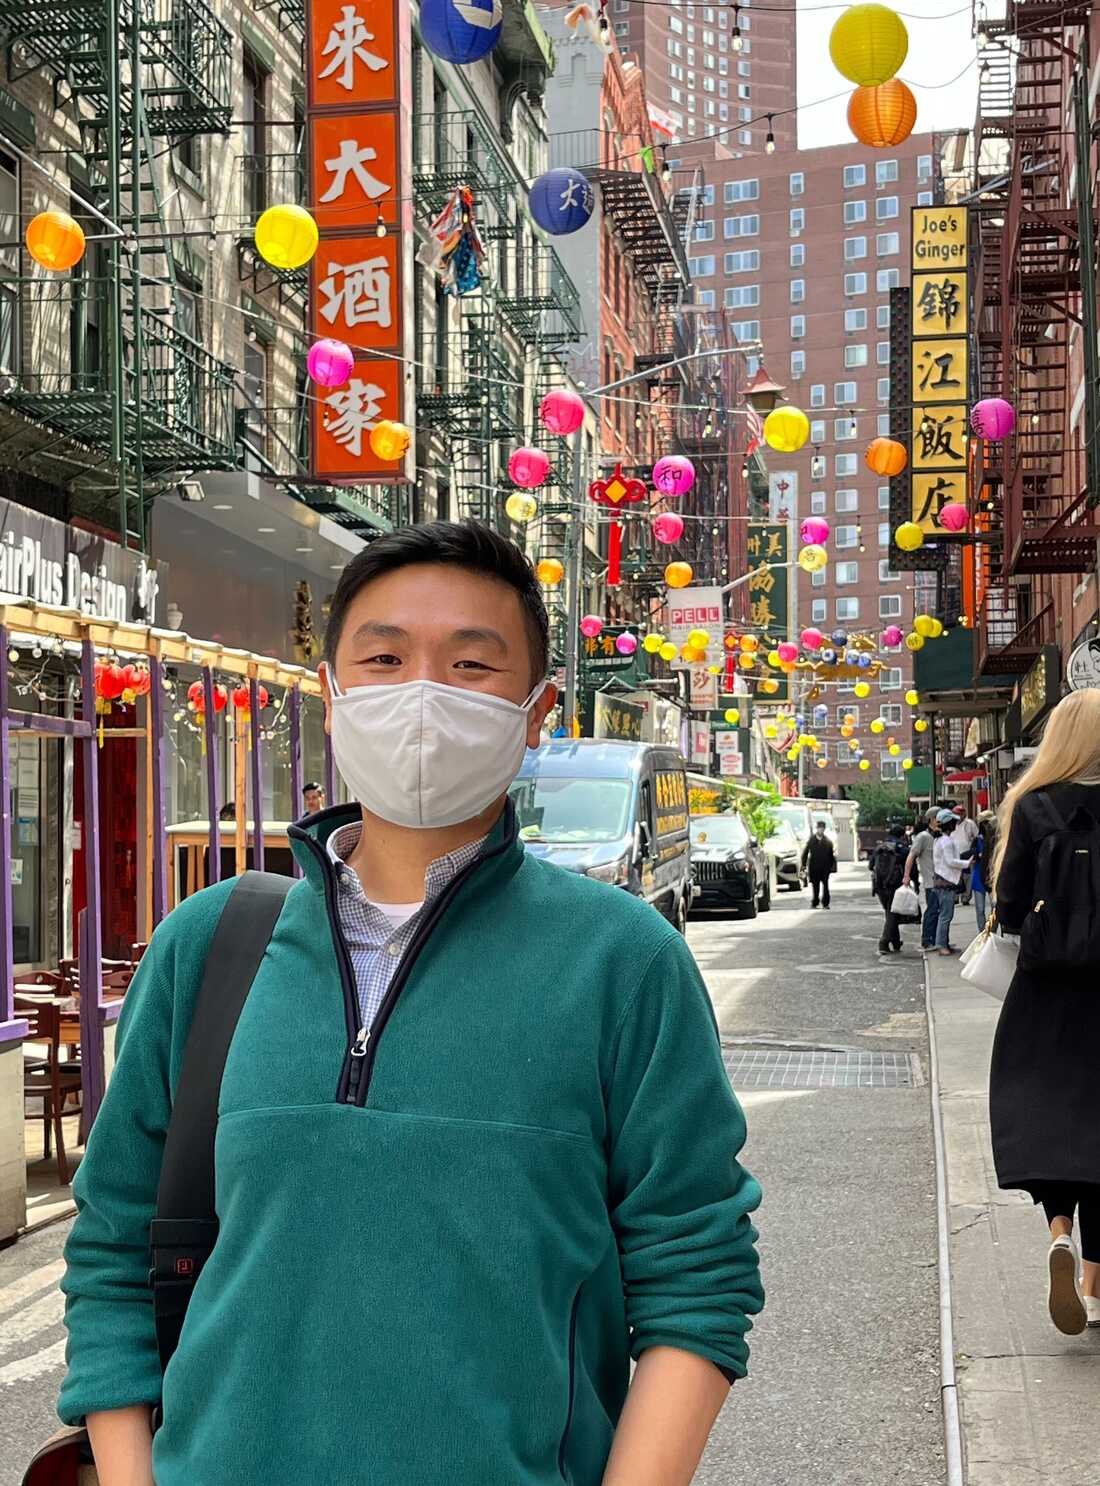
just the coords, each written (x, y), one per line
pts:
(133, 413)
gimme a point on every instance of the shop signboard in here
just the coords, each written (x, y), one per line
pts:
(731, 763)
(939, 364)
(47, 562)
(698, 607)
(1083, 670)
(727, 741)
(704, 689)
(769, 585)
(599, 655)
(617, 718)
(782, 495)
(700, 742)
(1041, 687)
(359, 109)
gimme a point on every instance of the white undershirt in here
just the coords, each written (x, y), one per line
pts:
(397, 913)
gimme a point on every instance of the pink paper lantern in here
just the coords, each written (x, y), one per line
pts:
(674, 474)
(953, 517)
(892, 636)
(591, 625)
(993, 418)
(528, 467)
(812, 639)
(787, 652)
(668, 527)
(626, 643)
(815, 530)
(329, 363)
(561, 411)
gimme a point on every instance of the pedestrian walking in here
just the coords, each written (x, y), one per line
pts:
(887, 873)
(966, 835)
(981, 858)
(819, 863)
(920, 861)
(1044, 1095)
(949, 875)
(476, 1144)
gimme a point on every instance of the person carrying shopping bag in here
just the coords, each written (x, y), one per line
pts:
(1044, 1093)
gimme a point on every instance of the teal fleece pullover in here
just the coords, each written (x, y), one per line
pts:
(432, 1271)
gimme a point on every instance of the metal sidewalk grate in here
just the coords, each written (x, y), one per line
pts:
(820, 1068)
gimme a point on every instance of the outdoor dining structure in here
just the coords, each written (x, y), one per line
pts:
(138, 765)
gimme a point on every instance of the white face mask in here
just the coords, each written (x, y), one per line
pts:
(425, 755)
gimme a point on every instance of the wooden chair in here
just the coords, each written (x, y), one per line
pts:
(50, 1080)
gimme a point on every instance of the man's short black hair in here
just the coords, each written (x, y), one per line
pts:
(461, 544)
(312, 785)
(898, 832)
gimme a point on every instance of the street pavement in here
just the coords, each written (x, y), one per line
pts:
(844, 1381)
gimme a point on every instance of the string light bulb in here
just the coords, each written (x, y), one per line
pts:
(737, 41)
(380, 225)
(769, 141)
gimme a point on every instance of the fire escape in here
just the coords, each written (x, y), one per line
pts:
(112, 391)
(1037, 323)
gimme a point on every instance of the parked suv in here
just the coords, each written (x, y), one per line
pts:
(728, 866)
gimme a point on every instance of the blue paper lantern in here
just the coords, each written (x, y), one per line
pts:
(839, 637)
(828, 656)
(863, 660)
(561, 201)
(461, 30)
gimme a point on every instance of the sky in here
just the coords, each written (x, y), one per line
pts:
(940, 45)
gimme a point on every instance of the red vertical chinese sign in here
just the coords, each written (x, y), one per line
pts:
(360, 171)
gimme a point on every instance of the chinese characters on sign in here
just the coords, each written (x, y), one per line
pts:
(769, 588)
(358, 152)
(616, 718)
(939, 364)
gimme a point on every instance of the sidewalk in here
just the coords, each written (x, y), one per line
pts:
(1027, 1395)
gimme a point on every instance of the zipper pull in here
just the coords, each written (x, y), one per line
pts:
(1038, 905)
(359, 1046)
(358, 1053)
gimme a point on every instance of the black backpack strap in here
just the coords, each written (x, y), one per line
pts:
(183, 1231)
(1045, 814)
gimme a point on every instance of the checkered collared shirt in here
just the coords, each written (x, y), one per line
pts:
(374, 945)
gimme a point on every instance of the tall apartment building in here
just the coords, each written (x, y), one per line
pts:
(803, 249)
(717, 71)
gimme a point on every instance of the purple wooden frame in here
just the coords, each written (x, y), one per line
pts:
(92, 1011)
(11, 1029)
(159, 832)
(257, 777)
(296, 808)
(213, 793)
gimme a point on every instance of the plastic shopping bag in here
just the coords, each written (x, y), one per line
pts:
(905, 903)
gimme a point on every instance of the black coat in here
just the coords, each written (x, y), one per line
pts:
(820, 855)
(1044, 1092)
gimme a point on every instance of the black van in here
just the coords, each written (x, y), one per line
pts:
(614, 811)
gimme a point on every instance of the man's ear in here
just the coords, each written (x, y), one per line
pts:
(326, 693)
(539, 713)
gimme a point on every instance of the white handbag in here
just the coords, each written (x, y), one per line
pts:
(989, 961)
(905, 903)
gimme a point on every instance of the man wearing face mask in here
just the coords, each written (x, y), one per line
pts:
(476, 1144)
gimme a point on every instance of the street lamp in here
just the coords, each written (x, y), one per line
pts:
(762, 393)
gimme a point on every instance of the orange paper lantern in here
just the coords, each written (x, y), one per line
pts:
(886, 456)
(55, 241)
(883, 116)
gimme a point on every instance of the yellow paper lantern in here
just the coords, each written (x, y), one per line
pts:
(698, 639)
(804, 740)
(286, 236)
(520, 506)
(771, 731)
(862, 689)
(854, 745)
(925, 625)
(937, 629)
(812, 558)
(822, 763)
(846, 731)
(921, 725)
(849, 719)
(652, 644)
(865, 764)
(909, 536)
(667, 651)
(792, 753)
(868, 44)
(878, 726)
(55, 241)
(770, 685)
(714, 670)
(732, 716)
(551, 572)
(689, 654)
(914, 642)
(907, 764)
(390, 440)
(895, 749)
(912, 697)
(786, 429)
(746, 661)
(773, 660)
(749, 642)
(679, 574)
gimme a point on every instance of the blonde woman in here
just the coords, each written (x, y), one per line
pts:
(1044, 1093)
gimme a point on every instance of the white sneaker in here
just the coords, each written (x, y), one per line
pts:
(1092, 1309)
(1064, 1299)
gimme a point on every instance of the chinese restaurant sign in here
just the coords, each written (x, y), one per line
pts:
(769, 590)
(939, 369)
(359, 111)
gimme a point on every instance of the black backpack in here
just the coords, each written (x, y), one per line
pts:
(888, 868)
(1062, 931)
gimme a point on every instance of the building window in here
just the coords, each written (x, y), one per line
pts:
(740, 191)
(798, 364)
(847, 710)
(846, 536)
(883, 425)
(882, 317)
(890, 680)
(845, 429)
(746, 261)
(817, 431)
(886, 574)
(854, 211)
(854, 175)
(856, 355)
(855, 320)
(855, 283)
(798, 183)
(847, 574)
(847, 500)
(744, 69)
(854, 247)
(844, 393)
(882, 353)
(744, 91)
(924, 168)
(746, 330)
(798, 327)
(890, 712)
(817, 502)
(819, 611)
(704, 232)
(889, 768)
(745, 136)
(847, 609)
(882, 389)
(885, 208)
(925, 198)
(884, 531)
(885, 172)
(845, 464)
(818, 579)
(798, 290)
(742, 296)
(889, 607)
(817, 395)
(702, 268)
(887, 244)
(798, 219)
(705, 298)
(797, 254)
(747, 226)
(884, 497)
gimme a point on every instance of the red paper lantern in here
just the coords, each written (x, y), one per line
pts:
(882, 116)
(197, 697)
(135, 681)
(242, 697)
(109, 681)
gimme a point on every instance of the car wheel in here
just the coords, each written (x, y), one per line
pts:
(764, 902)
(747, 910)
(680, 920)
